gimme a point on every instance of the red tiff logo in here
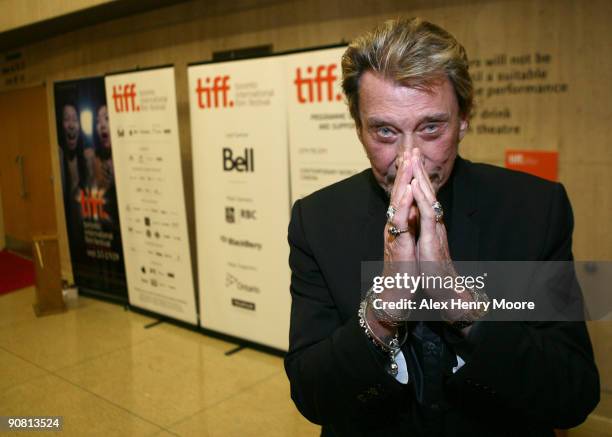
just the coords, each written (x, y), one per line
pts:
(214, 96)
(92, 204)
(125, 98)
(319, 87)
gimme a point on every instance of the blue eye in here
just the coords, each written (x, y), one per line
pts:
(430, 128)
(385, 132)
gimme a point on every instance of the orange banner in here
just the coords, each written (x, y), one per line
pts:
(536, 162)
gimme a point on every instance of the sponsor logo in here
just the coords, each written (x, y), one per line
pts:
(230, 214)
(231, 280)
(241, 243)
(240, 164)
(241, 266)
(516, 158)
(316, 84)
(244, 214)
(92, 204)
(124, 97)
(243, 304)
(248, 214)
(214, 93)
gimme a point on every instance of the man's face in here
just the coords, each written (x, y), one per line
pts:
(71, 125)
(395, 118)
(102, 127)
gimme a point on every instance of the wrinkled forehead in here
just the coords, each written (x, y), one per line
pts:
(383, 97)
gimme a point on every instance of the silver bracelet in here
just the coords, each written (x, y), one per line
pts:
(392, 348)
(382, 315)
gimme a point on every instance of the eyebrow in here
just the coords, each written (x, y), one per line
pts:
(437, 117)
(376, 121)
(441, 116)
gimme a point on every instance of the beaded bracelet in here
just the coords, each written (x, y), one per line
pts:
(382, 315)
(392, 347)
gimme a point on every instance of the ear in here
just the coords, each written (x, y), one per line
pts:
(463, 126)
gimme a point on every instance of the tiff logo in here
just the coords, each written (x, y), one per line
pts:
(319, 87)
(214, 96)
(92, 204)
(125, 98)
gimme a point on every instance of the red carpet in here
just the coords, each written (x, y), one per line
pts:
(15, 272)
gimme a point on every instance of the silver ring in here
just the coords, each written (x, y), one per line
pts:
(396, 232)
(391, 212)
(438, 211)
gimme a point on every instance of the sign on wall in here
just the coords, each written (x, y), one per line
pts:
(322, 138)
(239, 143)
(88, 180)
(144, 130)
(540, 163)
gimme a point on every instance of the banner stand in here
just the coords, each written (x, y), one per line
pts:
(90, 292)
(194, 328)
(148, 171)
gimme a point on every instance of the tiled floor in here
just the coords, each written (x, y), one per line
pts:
(98, 366)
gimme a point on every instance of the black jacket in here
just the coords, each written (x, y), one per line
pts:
(519, 378)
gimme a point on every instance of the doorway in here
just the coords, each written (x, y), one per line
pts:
(26, 181)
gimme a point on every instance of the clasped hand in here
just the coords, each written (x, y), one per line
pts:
(415, 239)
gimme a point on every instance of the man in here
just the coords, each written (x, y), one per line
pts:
(358, 370)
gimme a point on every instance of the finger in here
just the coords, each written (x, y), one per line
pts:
(400, 161)
(443, 238)
(426, 187)
(402, 206)
(399, 189)
(428, 220)
(410, 170)
(421, 163)
(424, 182)
(404, 242)
(408, 198)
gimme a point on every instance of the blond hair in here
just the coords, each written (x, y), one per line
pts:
(409, 51)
